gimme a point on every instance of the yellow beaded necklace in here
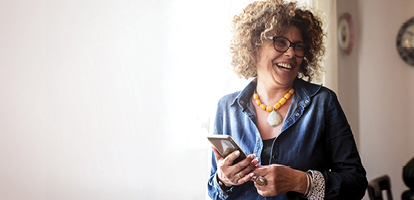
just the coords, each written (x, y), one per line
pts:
(274, 119)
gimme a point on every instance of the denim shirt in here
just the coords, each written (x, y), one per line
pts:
(315, 135)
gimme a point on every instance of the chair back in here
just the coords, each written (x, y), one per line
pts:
(377, 186)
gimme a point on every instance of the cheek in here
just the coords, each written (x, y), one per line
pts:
(299, 61)
(269, 54)
(267, 59)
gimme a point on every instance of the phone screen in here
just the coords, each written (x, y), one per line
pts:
(225, 146)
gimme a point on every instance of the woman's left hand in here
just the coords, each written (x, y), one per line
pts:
(280, 179)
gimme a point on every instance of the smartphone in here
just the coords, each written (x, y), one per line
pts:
(225, 145)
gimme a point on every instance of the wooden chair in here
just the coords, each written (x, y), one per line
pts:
(377, 186)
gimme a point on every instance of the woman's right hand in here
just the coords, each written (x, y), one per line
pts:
(236, 174)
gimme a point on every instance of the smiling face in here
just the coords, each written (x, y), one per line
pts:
(277, 69)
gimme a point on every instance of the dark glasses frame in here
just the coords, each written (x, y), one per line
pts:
(306, 47)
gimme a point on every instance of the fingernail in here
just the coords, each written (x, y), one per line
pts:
(237, 153)
(254, 178)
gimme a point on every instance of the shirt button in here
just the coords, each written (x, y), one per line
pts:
(306, 101)
(297, 114)
(241, 102)
(274, 157)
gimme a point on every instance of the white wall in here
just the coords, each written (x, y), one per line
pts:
(109, 99)
(348, 67)
(376, 88)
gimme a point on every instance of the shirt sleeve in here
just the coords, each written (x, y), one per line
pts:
(346, 177)
(214, 190)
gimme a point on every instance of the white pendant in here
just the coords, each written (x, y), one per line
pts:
(274, 119)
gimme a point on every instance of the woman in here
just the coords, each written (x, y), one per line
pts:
(299, 142)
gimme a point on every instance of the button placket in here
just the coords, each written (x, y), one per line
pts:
(275, 153)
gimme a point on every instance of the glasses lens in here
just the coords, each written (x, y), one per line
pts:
(281, 44)
(300, 49)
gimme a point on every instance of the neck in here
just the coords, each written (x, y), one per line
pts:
(271, 93)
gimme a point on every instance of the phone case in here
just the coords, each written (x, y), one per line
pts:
(225, 145)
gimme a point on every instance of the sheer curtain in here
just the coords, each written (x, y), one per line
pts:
(329, 15)
(328, 8)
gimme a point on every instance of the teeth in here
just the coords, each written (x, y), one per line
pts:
(284, 65)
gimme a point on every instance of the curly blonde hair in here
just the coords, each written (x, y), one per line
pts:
(260, 18)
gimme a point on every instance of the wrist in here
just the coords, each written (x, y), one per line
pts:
(223, 186)
(302, 183)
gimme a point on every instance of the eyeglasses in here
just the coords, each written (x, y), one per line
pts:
(282, 44)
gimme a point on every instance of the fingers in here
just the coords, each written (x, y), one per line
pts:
(244, 168)
(245, 171)
(279, 180)
(259, 171)
(242, 177)
(230, 158)
(227, 160)
(235, 174)
(260, 178)
(217, 154)
(260, 182)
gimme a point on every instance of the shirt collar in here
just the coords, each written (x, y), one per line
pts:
(303, 90)
(244, 96)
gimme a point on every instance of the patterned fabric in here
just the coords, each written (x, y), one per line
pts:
(317, 191)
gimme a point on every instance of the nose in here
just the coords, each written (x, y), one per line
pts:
(290, 52)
